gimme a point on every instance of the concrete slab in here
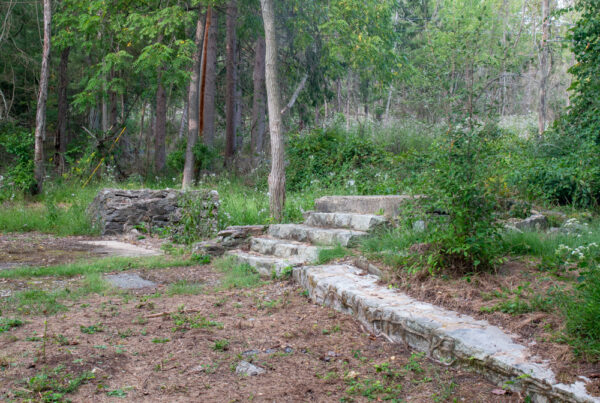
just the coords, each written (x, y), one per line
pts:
(386, 205)
(444, 335)
(121, 249)
(128, 281)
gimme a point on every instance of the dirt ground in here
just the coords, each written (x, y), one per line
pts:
(147, 346)
(477, 295)
(35, 249)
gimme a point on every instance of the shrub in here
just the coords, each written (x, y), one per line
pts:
(203, 157)
(17, 142)
(460, 184)
(333, 158)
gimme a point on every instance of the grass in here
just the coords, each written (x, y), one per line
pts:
(98, 266)
(37, 302)
(237, 275)
(184, 287)
(327, 255)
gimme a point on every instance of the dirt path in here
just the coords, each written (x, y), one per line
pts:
(148, 346)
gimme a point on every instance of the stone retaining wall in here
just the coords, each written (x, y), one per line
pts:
(117, 211)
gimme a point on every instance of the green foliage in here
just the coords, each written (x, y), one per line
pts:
(204, 157)
(51, 385)
(184, 287)
(237, 275)
(461, 185)
(6, 324)
(582, 310)
(196, 219)
(184, 322)
(333, 158)
(92, 329)
(17, 145)
(326, 255)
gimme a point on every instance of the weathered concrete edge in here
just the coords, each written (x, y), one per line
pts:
(419, 333)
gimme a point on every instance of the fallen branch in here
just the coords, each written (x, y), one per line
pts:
(158, 315)
(295, 95)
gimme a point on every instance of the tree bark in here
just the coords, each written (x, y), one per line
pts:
(60, 140)
(258, 99)
(239, 140)
(193, 108)
(40, 117)
(543, 66)
(277, 175)
(230, 91)
(160, 126)
(211, 82)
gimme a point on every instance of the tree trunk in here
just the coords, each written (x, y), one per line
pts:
(277, 175)
(237, 101)
(40, 117)
(230, 91)
(160, 126)
(184, 118)
(60, 140)
(258, 98)
(193, 109)
(211, 82)
(543, 66)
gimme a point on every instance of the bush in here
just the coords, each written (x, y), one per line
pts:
(333, 158)
(203, 157)
(18, 143)
(460, 185)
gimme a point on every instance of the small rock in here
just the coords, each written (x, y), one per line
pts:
(419, 226)
(331, 354)
(197, 369)
(128, 281)
(351, 375)
(250, 353)
(271, 351)
(535, 222)
(247, 369)
(288, 350)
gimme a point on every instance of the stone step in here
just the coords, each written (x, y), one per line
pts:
(358, 222)
(386, 205)
(265, 265)
(315, 235)
(284, 249)
(444, 335)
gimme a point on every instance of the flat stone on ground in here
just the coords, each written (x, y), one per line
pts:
(128, 281)
(121, 249)
(388, 205)
(247, 369)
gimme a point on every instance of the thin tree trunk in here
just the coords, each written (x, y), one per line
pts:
(277, 175)
(160, 126)
(60, 140)
(140, 141)
(193, 108)
(238, 101)
(230, 91)
(40, 117)
(211, 82)
(543, 66)
(258, 99)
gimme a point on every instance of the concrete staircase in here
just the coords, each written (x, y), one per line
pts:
(446, 336)
(294, 245)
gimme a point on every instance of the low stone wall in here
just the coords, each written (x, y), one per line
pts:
(117, 211)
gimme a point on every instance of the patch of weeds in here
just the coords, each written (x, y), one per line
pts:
(269, 304)
(183, 287)
(36, 302)
(160, 340)
(220, 302)
(184, 322)
(581, 308)
(329, 254)
(237, 275)
(284, 274)
(6, 324)
(414, 363)
(125, 333)
(92, 329)
(520, 300)
(200, 259)
(333, 329)
(373, 389)
(139, 320)
(221, 345)
(51, 385)
(117, 393)
(62, 340)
